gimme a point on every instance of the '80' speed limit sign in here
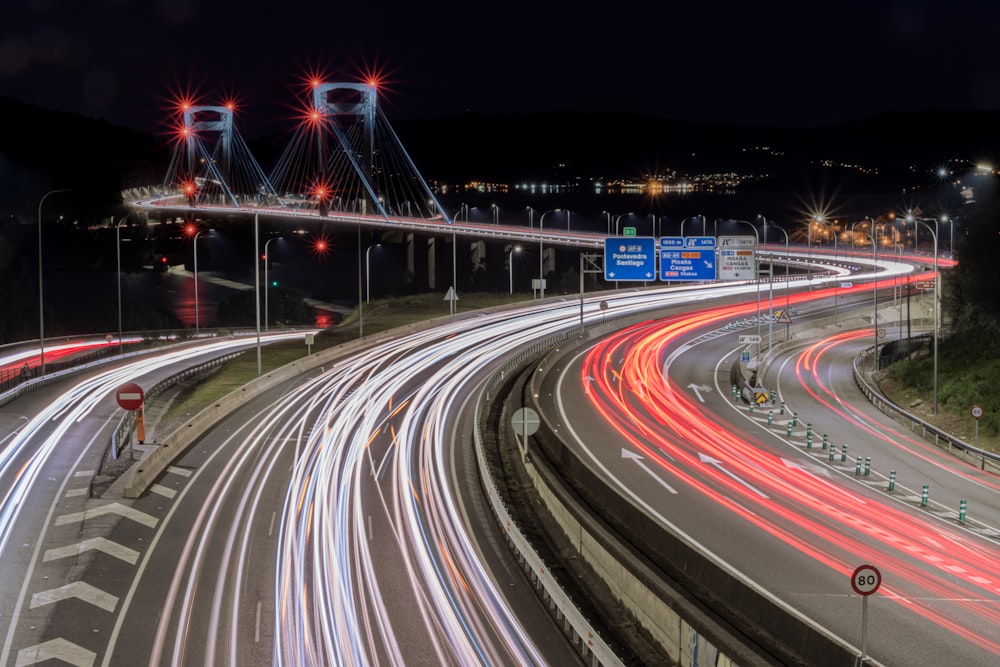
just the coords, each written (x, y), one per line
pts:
(866, 579)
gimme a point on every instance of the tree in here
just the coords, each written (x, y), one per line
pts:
(970, 297)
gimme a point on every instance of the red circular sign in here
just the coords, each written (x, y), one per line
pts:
(129, 396)
(977, 411)
(866, 579)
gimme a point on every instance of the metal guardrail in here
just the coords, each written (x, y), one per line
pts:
(915, 424)
(123, 430)
(588, 642)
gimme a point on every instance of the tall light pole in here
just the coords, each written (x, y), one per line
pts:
(118, 255)
(368, 275)
(531, 214)
(756, 278)
(496, 214)
(608, 214)
(41, 300)
(787, 289)
(618, 219)
(510, 265)
(256, 284)
(874, 291)
(937, 296)
(541, 252)
(693, 217)
(197, 325)
(267, 285)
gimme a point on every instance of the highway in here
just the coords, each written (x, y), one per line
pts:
(326, 522)
(53, 443)
(650, 409)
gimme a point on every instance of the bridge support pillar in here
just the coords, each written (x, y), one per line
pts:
(411, 263)
(432, 263)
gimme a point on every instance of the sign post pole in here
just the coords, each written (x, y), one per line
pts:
(977, 412)
(865, 580)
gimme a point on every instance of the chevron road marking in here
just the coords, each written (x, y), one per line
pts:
(183, 472)
(57, 649)
(112, 508)
(119, 551)
(78, 589)
(164, 491)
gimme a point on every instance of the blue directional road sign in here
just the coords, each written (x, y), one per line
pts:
(630, 258)
(687, 258)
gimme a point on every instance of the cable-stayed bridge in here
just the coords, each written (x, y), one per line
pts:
(343, 163)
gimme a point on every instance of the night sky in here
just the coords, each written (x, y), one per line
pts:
(792, 64)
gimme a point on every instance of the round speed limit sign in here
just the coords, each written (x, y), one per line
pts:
(977, 411)
(866, 580)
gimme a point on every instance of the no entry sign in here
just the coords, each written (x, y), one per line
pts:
(129, 396)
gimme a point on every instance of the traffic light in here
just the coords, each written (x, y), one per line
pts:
(274, 283)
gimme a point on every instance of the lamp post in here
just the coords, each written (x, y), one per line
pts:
(510, 265)
(41, 300)
(197, 325)
(368, 279)
(496, 214)
(874, 290)
(937, 296)
(608, 214)
(531, 220)
(618, 219)
(256, 283)
(267, 284)
(693, 217)
(756, 278)
(541, 253)
(118, 256)
(781, 229)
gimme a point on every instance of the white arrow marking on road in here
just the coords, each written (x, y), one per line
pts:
(112, 508)
(77, 589)
(705, 458)
(130, 556)
(697, 389)
(626, 454)
(59, 649)
(805, 467)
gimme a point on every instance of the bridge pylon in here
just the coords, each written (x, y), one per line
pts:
(211, 163)
(345, 159)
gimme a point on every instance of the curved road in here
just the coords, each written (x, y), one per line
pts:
(764, 502)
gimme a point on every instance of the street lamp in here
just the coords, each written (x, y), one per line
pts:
(618, 219)
(118, 255)
(694, 217)
(197, 325)
(267, 284)
(787, 288)
(874, 288)
(496, 214)
(368, 279)
(531, 213)
(541, 254)
(256, 283)
(510, 265)
(937, 296)
(756, 278)
(41, 301)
